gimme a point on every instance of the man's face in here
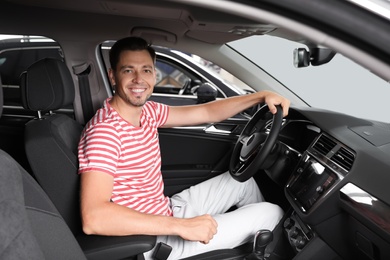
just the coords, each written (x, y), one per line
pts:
(134, 77)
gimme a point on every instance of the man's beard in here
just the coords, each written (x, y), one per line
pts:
(135, 102)
(138, 102)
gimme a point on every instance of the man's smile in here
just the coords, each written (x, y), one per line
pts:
(138, 90)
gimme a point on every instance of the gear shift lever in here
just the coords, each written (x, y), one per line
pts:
(262, 239)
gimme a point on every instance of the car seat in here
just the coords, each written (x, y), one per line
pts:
(30, 225)
(51, 142)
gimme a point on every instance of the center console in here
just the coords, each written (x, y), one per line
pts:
(297, 232)
(319, 170)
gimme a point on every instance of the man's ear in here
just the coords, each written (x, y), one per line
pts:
(111, 76)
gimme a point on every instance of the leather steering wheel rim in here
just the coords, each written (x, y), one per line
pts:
(254, 144)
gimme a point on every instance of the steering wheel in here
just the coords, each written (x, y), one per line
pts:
(186, 87)
(255, 144)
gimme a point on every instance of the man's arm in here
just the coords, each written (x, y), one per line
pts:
(219, 110)
(102, 217)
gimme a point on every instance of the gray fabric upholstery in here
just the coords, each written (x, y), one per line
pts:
(17, 240)
(51, 141)
(30, 226)
(49, 229)
(51, 148)
(1, 97)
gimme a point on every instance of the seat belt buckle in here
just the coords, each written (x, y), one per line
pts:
(162, 251)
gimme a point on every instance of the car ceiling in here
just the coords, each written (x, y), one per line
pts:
(160, 21)
(192, 25)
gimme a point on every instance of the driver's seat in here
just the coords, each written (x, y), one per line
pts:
(30, 225)
(51, 147)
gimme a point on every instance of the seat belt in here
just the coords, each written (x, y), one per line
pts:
(82, 72)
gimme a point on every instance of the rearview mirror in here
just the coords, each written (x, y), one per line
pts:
(314, 57)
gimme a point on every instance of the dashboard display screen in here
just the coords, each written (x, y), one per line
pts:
(310, 182)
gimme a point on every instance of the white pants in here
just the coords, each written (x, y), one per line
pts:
(215, 196)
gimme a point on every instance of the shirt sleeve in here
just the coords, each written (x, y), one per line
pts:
(159, 111)
(99, 149)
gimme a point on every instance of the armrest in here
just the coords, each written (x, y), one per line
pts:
(114, 247)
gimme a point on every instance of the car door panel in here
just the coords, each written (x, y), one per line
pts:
(192, 155)
(174, 100)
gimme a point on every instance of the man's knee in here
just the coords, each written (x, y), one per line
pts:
(271, 213)
(276, 210)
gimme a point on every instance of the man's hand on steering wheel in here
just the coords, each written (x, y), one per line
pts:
(272, 100)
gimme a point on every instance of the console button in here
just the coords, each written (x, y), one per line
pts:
(300, 242)
(320, 190)
(294, 232)
(288, 223)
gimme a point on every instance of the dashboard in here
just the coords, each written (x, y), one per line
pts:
(339, 189)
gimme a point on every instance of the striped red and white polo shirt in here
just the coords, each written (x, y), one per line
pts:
(130, 154)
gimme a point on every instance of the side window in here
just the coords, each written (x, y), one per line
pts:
(181, 74)
(16, 55)
(171, 79)
(170, 76)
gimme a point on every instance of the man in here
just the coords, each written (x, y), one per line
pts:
(121, 181)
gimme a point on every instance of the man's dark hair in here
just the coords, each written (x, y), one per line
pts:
(129, 44)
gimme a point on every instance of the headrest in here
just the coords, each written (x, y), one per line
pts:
(1, 97)
(47, 85)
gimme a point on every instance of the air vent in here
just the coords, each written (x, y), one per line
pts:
(324, 145)
(344, 158)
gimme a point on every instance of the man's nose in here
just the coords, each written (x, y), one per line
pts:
(137, 77)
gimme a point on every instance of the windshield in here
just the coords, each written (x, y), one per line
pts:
(340, 85)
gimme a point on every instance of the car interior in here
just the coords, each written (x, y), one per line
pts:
(327, 170)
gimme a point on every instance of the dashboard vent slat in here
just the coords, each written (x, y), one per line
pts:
(333, 153)
(344, 158)
(324, 145)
